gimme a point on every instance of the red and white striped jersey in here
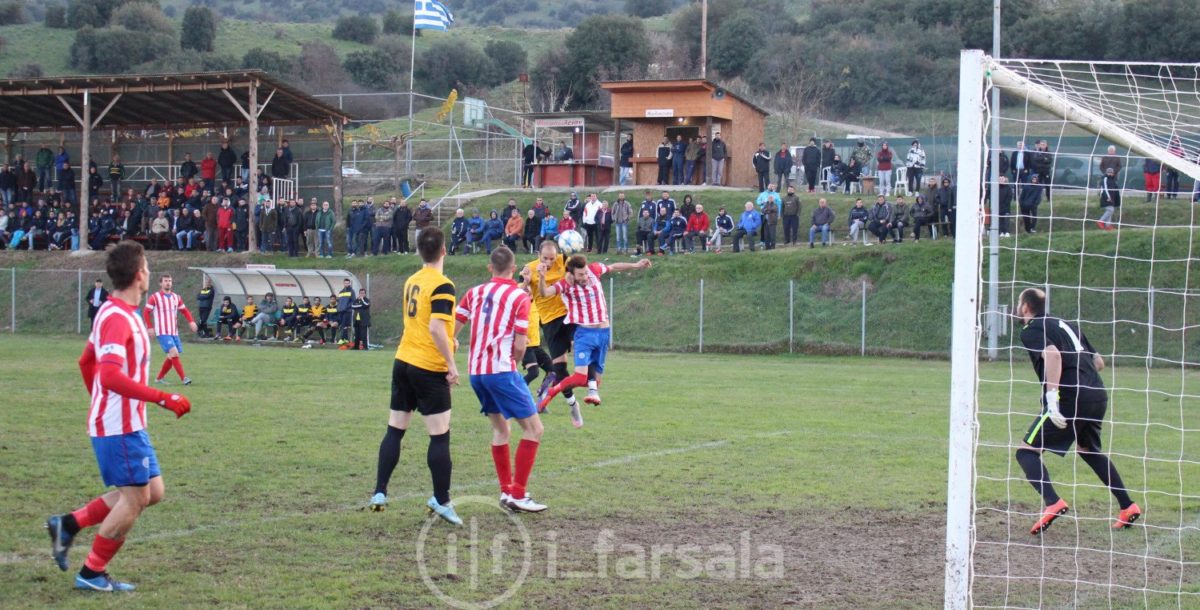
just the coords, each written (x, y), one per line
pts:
(585, 303)
(497, 312)
(166, 306)
(118, 337)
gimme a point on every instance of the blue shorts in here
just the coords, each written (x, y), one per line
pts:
(166, 342)
(591, 347)
(503, 393)
(126, 459)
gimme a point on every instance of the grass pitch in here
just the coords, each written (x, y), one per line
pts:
(703, 481)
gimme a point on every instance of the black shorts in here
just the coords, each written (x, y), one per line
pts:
(531, 356)
(557, 336)
(1083, 428)
(416, 388)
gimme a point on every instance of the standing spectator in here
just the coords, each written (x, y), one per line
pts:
(66, 184)
(702, 160)
(26, 180)
(1021, 162)
(400, 221)
(901, 219)
(783, 163)
(604, 223)
(1029, 200)
(345, 298)
(1043, 164)
(697, 228)
(828, 157)
(859, 217)
(310, 229)
(45, 166)
(645, 233)
(822, 219)
(208, 172)
(762, 166)
(204, 302)
(280, 168)
(688, 207)
(946, 200)
(269, 226)
(663, 156)
(245, 169)
(690, 155)
(1006, 199)
(361, 225)
(514, 227)
(678, 155)
(590, 230)
(96, 297)
(626, 163)
(188, 169)
(718, 156)
(325, 222)
(574, 207)
(915, 162)
(791, 217)
(531, 153)
(225, 226)
(422, 217)
(62, 159)
(529, 237)
(665, 202)
(95, 181)
(1172, 186)
(8, 185)
(1110, 199)
(881, 219)
(862, 157)
(883, 169)
(748, 227)
(923, 215)
(722, 226)
(382, 242)
(770, 221)
(622, 213)
(1151, 170)
(810, 162)
(116, 175)
(210, 224)
(361, 310)
(226, 159)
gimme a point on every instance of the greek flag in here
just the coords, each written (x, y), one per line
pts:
(431, 15)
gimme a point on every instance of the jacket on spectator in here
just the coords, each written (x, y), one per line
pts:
(724, 222)
(663, 154)
(687, 208)
(310, 220)
(402, 218)
(945, 198)
(225, 218)
(883, 159)
(762, 162)
(423, 216)
(622, 211)
(226, 158)
(915, 157)
(750, 221)
(861, 214)
(270, 222)
(645, 223)
(515, 226)
(697, 223)
(828, 152)
(810, 157)
(549, 226)
(882, 213)
(1043, 161)
(783, 162)
(66, 179)
(719, 152)
(921, 211)
(900, 214)
(279, 167)
(475, 227)
(533, 228)
(325, 220)
(44, 158)
(188, 169)
(383, 217)
(791, 205)
(648, 205)
(770, 212)
(458, 229)
(1031, 195)
(1151, 166)
(208, 169)
(493, 228)
(822, 216)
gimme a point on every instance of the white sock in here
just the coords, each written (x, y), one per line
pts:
(571, 400)
(591, 384)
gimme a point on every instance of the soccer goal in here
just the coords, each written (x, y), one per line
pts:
(1112, 240)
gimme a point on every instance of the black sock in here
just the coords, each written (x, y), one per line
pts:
(389, 456)
(88, 573)
(321, 334)
(560, 369)
(1108, 474)
(591, 372)
(439, 466)
(531, 373)
(1036, 473)
(543, 359)
(72, 526)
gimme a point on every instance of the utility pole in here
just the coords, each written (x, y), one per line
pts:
(704, 39)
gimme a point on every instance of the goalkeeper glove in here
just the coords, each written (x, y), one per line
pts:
(179, 405)
(1056, 416)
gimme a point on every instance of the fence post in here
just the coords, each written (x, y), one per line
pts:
(12, 306)
(612, 328)
(701, 349)
(79, 304)
(368, 285)
(1150, 330)
(791, 315)
(862, 332)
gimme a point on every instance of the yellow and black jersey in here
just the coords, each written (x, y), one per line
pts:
(331, 310)
(550, 308)
(428, 295)
(534, 334)
(248, 311)
(288, 311)
(317, 311)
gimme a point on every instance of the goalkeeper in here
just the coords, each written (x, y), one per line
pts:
(1074, 404)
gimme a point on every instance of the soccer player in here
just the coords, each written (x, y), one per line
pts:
(116, 366)
(318, 321)
(166, 305)
(498, 312)
(557, 334)
(422, 374)
(361, 308)
(536, 359)
(588, 310)
(1074, 404)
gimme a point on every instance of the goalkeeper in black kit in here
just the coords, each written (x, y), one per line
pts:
(1073, 407)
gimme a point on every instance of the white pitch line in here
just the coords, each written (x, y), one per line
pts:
(15, 558)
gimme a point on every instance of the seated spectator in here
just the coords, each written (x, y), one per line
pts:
(822, 218)
(662, 230)
(304, 319)
(514, 228)
(267, 310)
(900, 219)
(859, 217)
(184, 238)
(160, 229)
(697, 228)
(851, 174)
(748, 227)
(837, 174)
(881, 219)
(645, 233)
(458, 231)
(923, 215)
(724, 226)
(228, 317)
(4, 234)
(248, 312)
(567, 223)
(319, 323)
(475, 226)
(493, 230)
(288, 319)
(676, 228)
(549, 228)
(530, 238)
(61, 233)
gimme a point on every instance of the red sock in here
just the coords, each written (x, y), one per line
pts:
(526, 455)
(165, 367)
(503, 467)
(573, 380)
(103, 550)
(178, 364)
(92, 514)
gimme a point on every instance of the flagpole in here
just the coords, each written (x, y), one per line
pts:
(411, 69)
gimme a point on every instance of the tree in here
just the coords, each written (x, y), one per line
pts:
(734, 43)
(269, 61)
(372, 69)
(116, 50)
(84, 13)
(648, 8)
(395, 22)
(508, 59)
(142, 17)
(199, 29)
(450, 64)
(319, 69)
(56, 16)
(356, 28)
(12, 12)
(552, 90)
(605, 47)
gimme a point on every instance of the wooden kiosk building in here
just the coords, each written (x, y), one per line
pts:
(688, 108)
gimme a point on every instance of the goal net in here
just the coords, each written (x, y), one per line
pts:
(1100, 216)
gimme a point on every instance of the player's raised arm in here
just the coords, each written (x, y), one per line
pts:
(619, 267)
(543, 289)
